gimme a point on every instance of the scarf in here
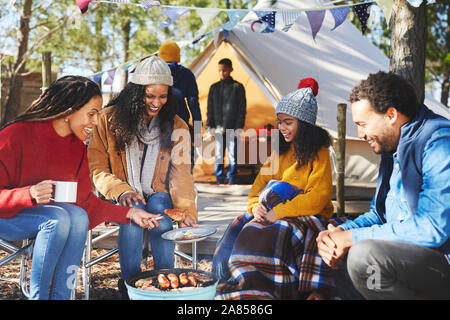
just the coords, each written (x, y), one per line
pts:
(140, 173)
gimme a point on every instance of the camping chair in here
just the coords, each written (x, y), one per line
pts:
(87, 262)
(25, 252)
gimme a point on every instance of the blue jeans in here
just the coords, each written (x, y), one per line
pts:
(131, 239)
(60, 231)
(222, 142)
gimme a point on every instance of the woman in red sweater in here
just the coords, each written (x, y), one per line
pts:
(38, 148)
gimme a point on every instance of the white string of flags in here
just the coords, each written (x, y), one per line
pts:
(268, 18)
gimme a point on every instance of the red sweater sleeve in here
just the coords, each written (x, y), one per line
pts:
(11, 199)
(98, 210)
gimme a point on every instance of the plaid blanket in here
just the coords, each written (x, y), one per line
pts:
(276, 261)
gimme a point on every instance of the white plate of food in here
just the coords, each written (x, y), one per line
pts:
(188, 234)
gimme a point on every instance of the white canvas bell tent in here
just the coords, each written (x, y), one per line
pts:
(270, 65)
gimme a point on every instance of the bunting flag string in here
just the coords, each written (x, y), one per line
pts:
(266, 17)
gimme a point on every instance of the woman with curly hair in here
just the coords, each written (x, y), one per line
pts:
(135, 162)
(41, 146)
(265, 253)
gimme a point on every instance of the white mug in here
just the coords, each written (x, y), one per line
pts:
(65, 191)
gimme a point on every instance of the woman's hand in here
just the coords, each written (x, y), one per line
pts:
(42, 192)
(127, 198)
(188, 222)
(261, 215)
(142, 218)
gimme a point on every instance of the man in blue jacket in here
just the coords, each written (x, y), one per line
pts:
(400, 249)
(185, 90)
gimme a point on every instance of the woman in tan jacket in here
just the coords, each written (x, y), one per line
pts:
(139, 156)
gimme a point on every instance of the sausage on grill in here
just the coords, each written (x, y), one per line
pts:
(192, 280)
(173, 280)
(163, 282)
(184, 279)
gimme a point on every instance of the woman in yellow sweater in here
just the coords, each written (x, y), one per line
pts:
(268, 253)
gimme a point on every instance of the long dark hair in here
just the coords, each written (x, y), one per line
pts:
(129, 107)
(307, 142)
(62, 98)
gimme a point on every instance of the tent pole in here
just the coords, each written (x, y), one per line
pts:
(340, 159)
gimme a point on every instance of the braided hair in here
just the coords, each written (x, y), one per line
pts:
(62, 98)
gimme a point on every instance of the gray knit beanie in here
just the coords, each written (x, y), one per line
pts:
(300, 104)
(153, 70)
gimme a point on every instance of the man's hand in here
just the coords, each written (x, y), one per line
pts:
(333, 244)
(127, 198)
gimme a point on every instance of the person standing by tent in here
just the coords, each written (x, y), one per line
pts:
(400, 249)
(185, 89)
(227, 107)
(134, 162)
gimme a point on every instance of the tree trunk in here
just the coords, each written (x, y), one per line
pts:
(125, 49)
(445, 88)
(408, 41)
(13, 101)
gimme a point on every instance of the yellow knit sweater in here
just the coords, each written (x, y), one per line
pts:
(314, 179)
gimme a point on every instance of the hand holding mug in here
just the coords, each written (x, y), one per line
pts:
(42, 191)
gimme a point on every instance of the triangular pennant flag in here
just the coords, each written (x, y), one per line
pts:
(206, 14)
(127, 65)
(416, 3)
(362, 12)
(110, 77)
(315, 19)
(339, 15)
(97, 77)
(386, 6)
(268, 19)
(148, 4)
(173, 14)
(83, 5)
(234, 16)
(289, 18)
(202, 37)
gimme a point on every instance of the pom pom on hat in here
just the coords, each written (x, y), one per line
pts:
(309, 83)
(300, 104)
(152, 70)
(169, 52)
